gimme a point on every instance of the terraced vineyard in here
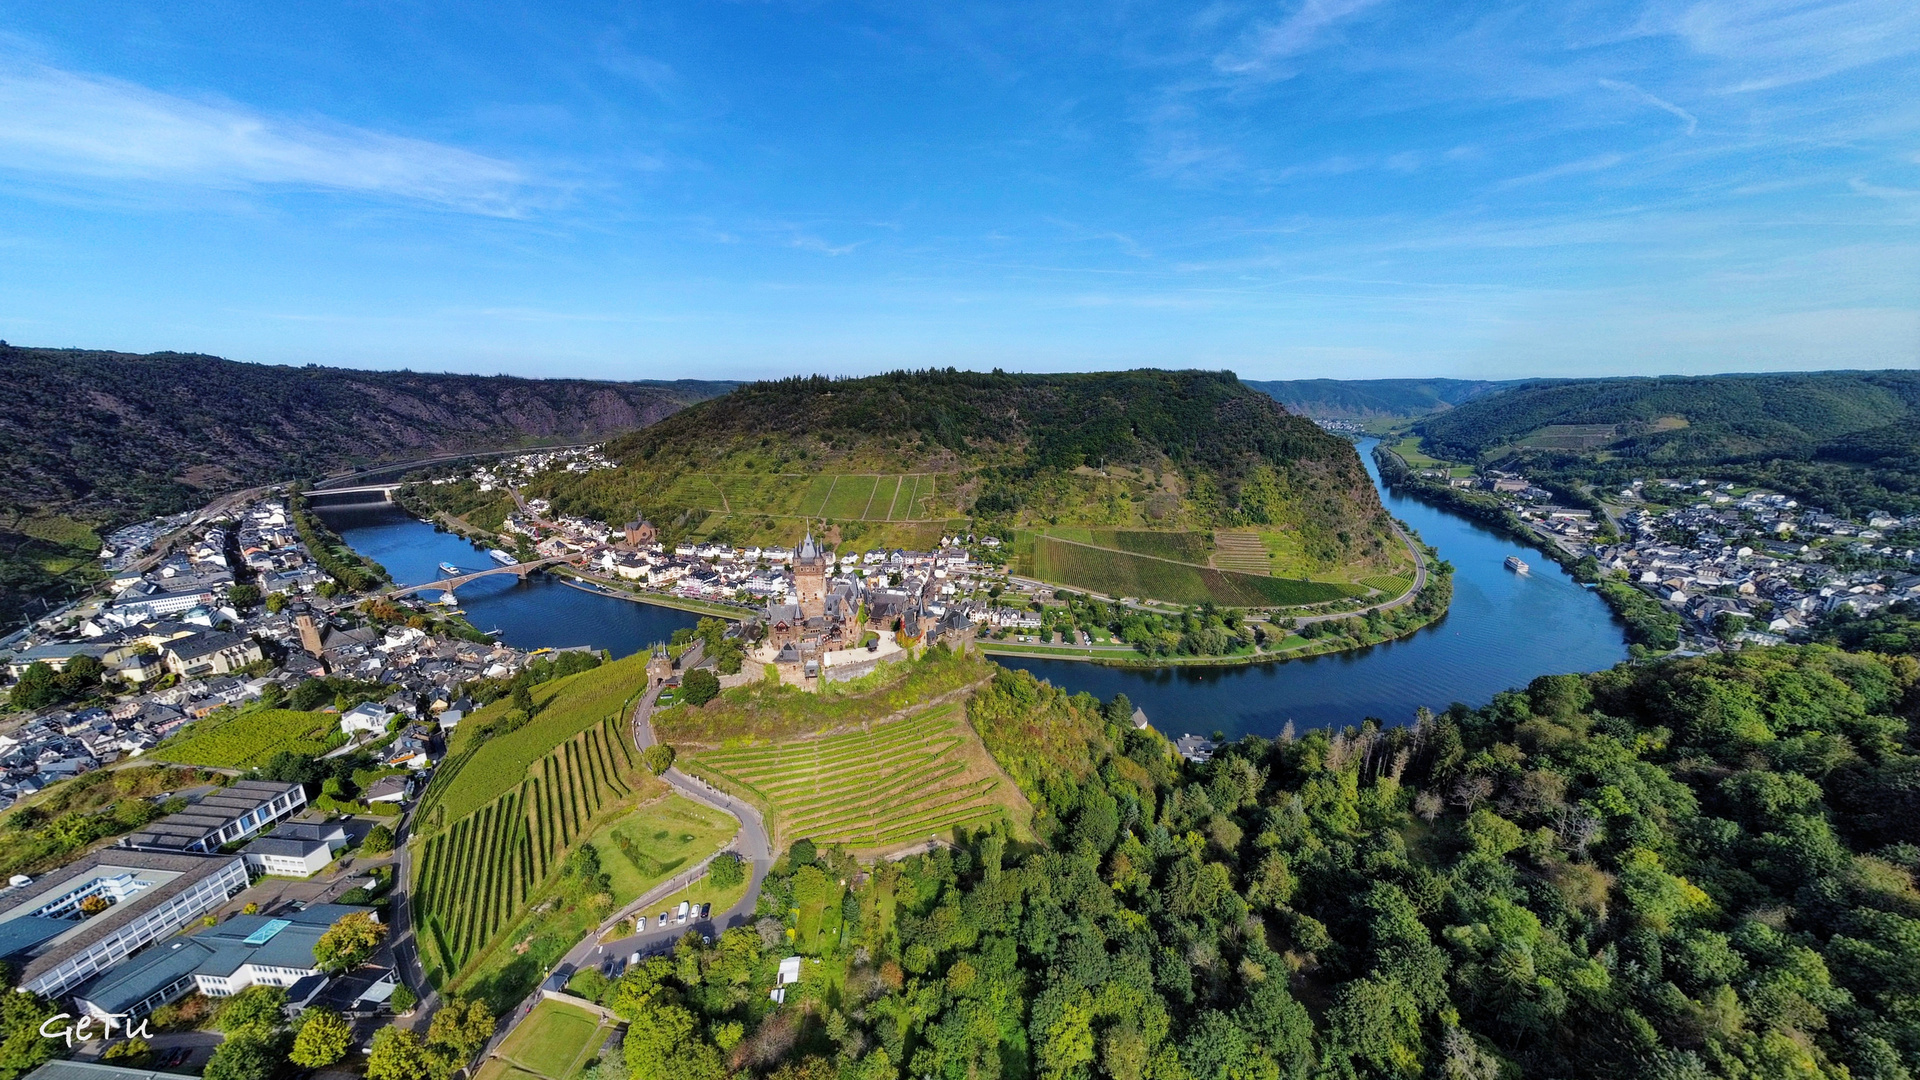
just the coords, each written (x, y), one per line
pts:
(477, 876)
(842, 496)
(1241, 551)
(892, 785)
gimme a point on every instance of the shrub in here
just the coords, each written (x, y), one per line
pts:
(379, 841)
(725, 871)
(699, 687)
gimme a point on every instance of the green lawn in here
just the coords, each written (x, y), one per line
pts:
(555, 1041)
(658, 841)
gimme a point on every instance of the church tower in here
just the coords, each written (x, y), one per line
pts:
(810, 578)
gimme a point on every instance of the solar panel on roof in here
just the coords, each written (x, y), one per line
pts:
(265, 933)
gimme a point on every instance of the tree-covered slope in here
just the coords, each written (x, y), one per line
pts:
(1695, 868)
(1357, 399)
(90, 440)
(1174, 450)
(1840, 439)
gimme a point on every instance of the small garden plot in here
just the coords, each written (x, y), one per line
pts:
(555, 1040)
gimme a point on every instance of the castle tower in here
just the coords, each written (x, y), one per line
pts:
(810, 578)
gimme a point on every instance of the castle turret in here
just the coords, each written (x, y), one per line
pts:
(810, 578)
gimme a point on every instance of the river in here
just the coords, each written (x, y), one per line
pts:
(1502, 630)
(541, 611)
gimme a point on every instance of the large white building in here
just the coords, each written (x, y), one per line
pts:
(46, 930)
(232, 813)
(218, 961)
(295, 849)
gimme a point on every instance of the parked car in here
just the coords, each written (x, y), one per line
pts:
(634, 959)
(663, 918)
(706, 911)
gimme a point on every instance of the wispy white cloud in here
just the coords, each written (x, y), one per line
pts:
(62, 124)
(1268, 45)
(1775, 43)
(1645, 98)
(1596, 163)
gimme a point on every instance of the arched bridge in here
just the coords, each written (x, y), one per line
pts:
(449, 584)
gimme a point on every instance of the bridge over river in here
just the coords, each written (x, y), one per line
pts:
(520, 570)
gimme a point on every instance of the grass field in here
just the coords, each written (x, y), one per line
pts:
(251, 738)
(1118, 573)
(555, 1042)
(657, 841)
(893, 785)
(476, 876)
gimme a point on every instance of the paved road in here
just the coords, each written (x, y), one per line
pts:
(751, 843)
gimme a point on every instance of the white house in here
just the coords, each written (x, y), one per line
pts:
(370, 717)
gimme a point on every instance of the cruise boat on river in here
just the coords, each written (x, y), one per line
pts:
(502, 557)
(1515, 564)
(450, 570)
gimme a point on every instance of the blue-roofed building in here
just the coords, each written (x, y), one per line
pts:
(246, 950)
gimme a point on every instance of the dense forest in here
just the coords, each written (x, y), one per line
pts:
(1359, 399)
(1688, 868)
(1846, 441)
(92, 440)
(1174, 449)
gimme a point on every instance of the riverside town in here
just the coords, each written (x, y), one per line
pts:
(1314, 540)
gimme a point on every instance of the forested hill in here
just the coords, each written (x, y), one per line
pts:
(1359, 399)
(95, 439)
(1840, 439)
(1147, 449)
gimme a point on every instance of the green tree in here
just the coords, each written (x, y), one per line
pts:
(243, 597)
(460, 1030)
(664, 1043)
(398, 1054)
(133, 1053)
(324, 1038)
(255, 1012)
(276, 603)
(22, 1047)
(379, 841)
(36, 688)
(349, 942)
(699, 686)
(245, 1057)
(403, 1000)
(658, 758)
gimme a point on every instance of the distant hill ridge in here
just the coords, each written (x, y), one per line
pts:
(1846, 440)
(1362, 399)
(92, 439)
(1145, 449)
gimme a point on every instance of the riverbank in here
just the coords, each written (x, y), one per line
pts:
(587, 583)
(1650, 627)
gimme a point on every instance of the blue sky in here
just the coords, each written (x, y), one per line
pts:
(1334, 188)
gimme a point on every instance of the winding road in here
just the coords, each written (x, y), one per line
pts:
(751, 843)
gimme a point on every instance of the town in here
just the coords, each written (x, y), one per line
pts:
(1738, 565)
